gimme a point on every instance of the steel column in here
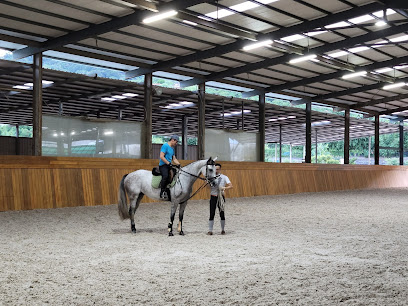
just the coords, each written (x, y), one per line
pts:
(201, 121)
(280, 143)
(17, 139)
(308, 156)
(147, 148)
(401, 142)
(316, 146)
(242, 115)
(347, 136)
(377, 140)
(37, 104)
(184, 132)
(261, 127)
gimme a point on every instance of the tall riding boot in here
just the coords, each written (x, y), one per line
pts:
(222, 227)
(210, 227)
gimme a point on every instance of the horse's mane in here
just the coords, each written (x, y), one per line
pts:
(196, 161)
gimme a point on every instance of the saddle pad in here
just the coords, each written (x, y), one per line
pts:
(156, 179)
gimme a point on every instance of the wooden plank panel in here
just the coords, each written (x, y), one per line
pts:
(89, 199)
(105, 190)
(46, 182)
(26, 186)
(4, 201)
(57, 189)
(18, 189)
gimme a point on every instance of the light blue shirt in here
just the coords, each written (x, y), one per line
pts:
(168, 153)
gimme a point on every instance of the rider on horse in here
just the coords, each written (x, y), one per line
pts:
(167, 160)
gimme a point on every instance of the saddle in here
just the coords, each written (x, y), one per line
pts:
(156, 179)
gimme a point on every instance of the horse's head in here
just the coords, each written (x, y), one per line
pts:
(209, 171)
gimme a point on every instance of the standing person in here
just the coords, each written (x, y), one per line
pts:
(167, 159)
(222, 182)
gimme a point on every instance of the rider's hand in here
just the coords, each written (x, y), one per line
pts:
(170, 165)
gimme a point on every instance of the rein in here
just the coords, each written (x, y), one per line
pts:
(196, 176)
(197, 190)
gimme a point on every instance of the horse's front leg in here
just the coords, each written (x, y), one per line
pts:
(181, 214)
(172, 214)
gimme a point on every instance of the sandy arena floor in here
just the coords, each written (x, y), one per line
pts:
(336, 248)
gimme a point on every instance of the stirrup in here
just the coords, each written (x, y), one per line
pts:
(163, 195)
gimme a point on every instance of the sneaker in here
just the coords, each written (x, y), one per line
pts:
(222, 232)
(209, 233)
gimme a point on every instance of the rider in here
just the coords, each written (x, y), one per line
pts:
(167, 160)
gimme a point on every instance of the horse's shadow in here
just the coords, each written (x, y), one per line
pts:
(141, 230)
(161, 231)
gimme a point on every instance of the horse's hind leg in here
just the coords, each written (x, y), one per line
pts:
(172, 214)
(134, 204)
(181, 214)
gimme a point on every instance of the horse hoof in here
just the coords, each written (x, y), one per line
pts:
(181, 233)
(133, 230)
(171, 234)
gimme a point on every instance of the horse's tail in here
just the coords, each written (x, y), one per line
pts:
(122, 201)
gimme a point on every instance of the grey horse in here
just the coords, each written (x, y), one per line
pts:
(139, 183)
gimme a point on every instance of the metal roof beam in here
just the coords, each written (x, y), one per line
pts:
(361, 105)
(395, 110)
(235, 32)
(396, 4)
(239, 44)
(9, 70)
(108, 26)
(346, 43)
(323, 98)
(329, 76)
(143, 4)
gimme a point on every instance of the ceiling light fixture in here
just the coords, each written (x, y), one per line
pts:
(395, 85)
(338, 54)
(119, 97)
(22, 87)
(130, 94)
(318, 123)
(303, 58)
(190, 22)
(107, 99)
(354, 75)
(399, 38)
(29, 86)
(361, 19)
(383, 70)
(242, 7)
(265, 43)
(358, 49)
(380, 23)
(160, 16)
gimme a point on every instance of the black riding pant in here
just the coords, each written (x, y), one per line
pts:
(213, 204)
(164, 170)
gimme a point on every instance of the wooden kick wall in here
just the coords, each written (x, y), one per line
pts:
(28, 182)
